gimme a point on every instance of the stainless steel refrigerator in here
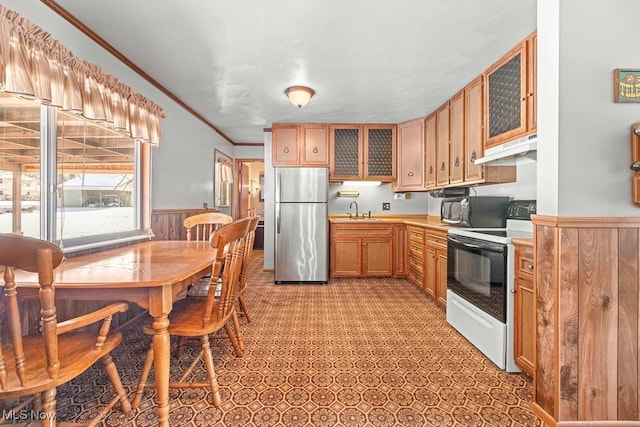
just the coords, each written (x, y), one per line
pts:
(302, 226)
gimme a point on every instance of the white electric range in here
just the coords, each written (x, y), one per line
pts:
(480, 283)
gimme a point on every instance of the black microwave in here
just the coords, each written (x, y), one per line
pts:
(475, 211)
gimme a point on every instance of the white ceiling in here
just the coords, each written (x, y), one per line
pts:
(369, 61)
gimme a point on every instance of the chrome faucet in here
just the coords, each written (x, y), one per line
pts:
(351, 205)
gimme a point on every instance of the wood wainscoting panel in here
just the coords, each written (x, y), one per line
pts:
(587, 321)
(545, 290)
(598, 322)
(628, 340)
(568, 328)
(167, 223)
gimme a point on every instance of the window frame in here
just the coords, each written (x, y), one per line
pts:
(49, 185)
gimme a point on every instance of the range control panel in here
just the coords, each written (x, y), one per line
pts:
(521, 209)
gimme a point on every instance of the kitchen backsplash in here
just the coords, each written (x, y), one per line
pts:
(371, 198)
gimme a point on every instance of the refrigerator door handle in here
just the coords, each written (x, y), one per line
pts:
(279, 195)
(277, 218)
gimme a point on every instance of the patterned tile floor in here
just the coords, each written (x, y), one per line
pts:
(357, 352)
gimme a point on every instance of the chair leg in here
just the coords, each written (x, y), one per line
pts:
(146, 368)
(213, 381)
(239, 336)
(49, 417)
(234, 340)
(112, 373)
(243, 309)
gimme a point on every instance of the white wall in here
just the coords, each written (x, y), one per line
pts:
(269, 207)
(580, 43)
(371, 199)
(182, 167)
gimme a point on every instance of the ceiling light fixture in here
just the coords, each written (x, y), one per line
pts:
(299, 95)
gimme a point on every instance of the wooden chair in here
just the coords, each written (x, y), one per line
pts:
(200, 317)
(35, 365)
(244, 277)
(201, 226)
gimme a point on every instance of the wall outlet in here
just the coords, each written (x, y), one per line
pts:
(386, 206)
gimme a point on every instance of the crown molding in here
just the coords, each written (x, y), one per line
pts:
(65, 14)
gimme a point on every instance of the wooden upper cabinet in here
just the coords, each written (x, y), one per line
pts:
(362, 152)
(431, 142)
(380, 152)
(285, 145)
(442, 145)
(345, 144)
(315, 145)
(473, 129)
(532, 82)
(510, 94)
(300, 144)
(411, 156)
(456, 146)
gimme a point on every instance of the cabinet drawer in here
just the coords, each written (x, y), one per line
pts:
(416, 276)
(361, 230)
(438, 240)
(524, 267)
(416, 265)
(524, 262)
(416, 234)
(416, 249)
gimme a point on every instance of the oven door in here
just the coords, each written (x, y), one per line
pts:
(477, 271)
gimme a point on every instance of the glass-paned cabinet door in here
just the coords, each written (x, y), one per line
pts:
(346, 152)
(380, 145)
(505, 96)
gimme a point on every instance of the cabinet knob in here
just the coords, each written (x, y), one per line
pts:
(457, 162)
(513, 291)
(286, 149)
(442, 167)
(473, 156)
(530, 94)
(524, 99)
(315, 150)
(430, 170)
(410, 174)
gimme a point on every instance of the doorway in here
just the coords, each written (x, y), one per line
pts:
(249, 179)
(250, 200)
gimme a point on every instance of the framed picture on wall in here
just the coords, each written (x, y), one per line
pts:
(261, 192)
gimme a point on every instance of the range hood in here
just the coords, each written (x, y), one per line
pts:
(525, 146)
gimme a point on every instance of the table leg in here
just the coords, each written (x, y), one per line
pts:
(162, 354)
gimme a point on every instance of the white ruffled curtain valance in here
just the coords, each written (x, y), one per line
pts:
(34, 65)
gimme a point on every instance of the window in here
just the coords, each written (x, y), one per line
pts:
(20, 210)
(96, 180)
(93, 172)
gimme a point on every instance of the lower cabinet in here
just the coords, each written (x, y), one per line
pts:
(436, 265)
(524, 309)
(415, 255)
(399, 249)
(427, 261)
(361, 250)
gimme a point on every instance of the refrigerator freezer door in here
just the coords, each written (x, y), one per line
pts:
(301, 184)
(302, 243)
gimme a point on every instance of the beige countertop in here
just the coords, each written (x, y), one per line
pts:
(524, 241)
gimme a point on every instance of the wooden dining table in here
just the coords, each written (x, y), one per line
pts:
(150, 274)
